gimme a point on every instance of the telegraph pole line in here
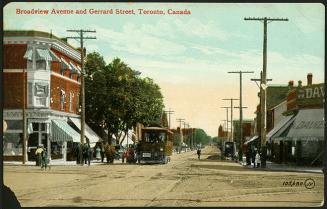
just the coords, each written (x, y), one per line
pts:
(181, 133)
(255, 80)
(169, 113)
(241, 111)
(24, 119)
(227, 120)
(81, 39)
(231, 117)
(263, 105)
(224, 127)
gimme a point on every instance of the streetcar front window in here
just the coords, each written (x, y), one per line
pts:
(154, 137)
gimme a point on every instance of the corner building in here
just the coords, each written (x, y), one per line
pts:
(47, 70)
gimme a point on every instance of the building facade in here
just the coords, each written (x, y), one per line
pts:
(42, 75)
(299, 136)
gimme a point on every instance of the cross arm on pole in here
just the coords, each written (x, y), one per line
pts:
(266, 18)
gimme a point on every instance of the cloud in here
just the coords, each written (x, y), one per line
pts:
(133, 40)
(195, 27)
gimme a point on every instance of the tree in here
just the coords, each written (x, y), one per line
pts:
(201, 137)
(95, 92)
(117, 98)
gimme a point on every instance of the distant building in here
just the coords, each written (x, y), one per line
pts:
(246, 130)
(276, 94)
(52, 89)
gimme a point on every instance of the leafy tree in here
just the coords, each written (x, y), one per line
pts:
(117, 98)
(201, 137)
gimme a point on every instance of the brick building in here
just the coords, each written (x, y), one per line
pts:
(299, 136)
(47, 70)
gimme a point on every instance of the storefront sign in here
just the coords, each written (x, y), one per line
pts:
(311, 92)
(311, 95)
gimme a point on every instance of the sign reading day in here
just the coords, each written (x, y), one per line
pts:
(311, 95)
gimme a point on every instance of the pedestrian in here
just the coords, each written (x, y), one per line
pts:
(124, 156)
(253, 153)
(90, 155)
(38, 155)
(98, 153)
(138, 153)
(102, 152)
(44, 160)
(199, 153)
(257, 160)
(85, 153)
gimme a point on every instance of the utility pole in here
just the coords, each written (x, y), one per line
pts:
(224, 127)
(231, 117)
(180, 132)
(255, 80)
(82, 38)
(241, 132)
(263, 105)
(169, 113)
(227, 120)
(24, 119)
(241, 112)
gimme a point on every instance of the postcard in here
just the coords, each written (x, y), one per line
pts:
(117, 104)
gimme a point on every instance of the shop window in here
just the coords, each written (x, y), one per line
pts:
(12, 144)
(78, 78)
(33, 140)
(71, 75)
(62, 72)
(14, 124)
(35, 126)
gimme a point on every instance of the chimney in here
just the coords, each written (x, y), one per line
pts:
(291, 83)
(309, 79)
(299, 83)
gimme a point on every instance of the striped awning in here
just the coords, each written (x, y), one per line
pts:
(29, 54)
(43, 54)
(74, 68)
(62, 132)
(65, 65)
(54, 56)
(92, 137)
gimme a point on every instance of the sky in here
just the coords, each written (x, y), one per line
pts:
(189, 56)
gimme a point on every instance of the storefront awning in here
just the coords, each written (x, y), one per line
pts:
(308, 125)
(74, 68)
(54, 56)
(251, 140)
(280, 127)
(61, 132)
(65, 65)
(43, 54)
(29, 54)
(89, 133)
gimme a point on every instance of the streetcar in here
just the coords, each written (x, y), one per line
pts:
(228, 150)
(155, 146)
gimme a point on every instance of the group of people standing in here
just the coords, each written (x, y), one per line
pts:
(253, 157)
(42, 158)
(86, 154)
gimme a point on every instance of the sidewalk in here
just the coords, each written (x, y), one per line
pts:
(271, 166)
(56, 162)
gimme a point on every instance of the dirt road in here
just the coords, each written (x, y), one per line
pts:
(185, 181)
